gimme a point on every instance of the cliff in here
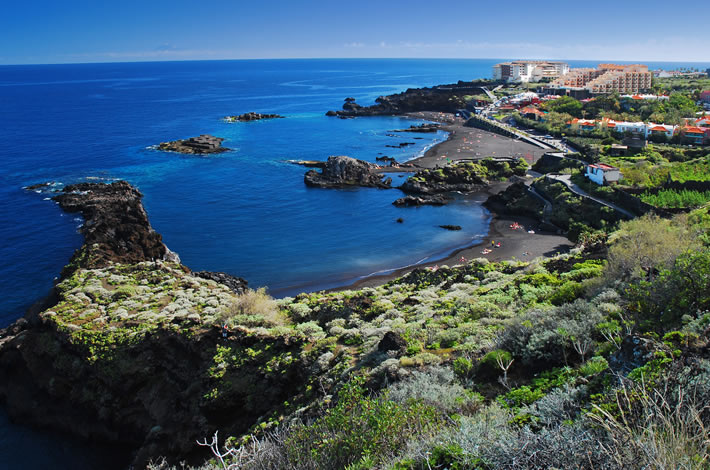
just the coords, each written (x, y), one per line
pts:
(518, 364)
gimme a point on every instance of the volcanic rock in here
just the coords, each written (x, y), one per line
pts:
(341, 171)
(451, 227)
(408, 201)
(443, 98)
(200, 145)
(116, 227)
(235, 284)
(420, 128)
(251, 116)
(392, 341)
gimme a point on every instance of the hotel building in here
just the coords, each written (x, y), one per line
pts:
(529, 70)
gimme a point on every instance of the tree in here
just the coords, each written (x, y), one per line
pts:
(644, 246)
(565, 104)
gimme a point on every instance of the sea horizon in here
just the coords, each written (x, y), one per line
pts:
(577, 60)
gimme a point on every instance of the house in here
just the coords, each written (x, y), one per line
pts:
(531, 112)
(694, 135)
(705, 96)
(660, 130)
(602, 173)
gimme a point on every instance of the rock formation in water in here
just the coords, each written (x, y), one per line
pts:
(116, 227)
(408, 201)
(251, 116)
(343, 171)
(201, 145)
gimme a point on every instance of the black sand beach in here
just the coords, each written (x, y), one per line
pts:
(466, 143)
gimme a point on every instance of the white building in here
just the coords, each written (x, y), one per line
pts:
(602, 173)
(529, 70)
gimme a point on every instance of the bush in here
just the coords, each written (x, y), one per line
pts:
(543, 338)
(435, 387)
(567, 292)
(488, 365)
(255, 307)
(358, 426)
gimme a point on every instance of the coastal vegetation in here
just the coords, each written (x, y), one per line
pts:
(595, 356)
(464, 176)
(577, 360)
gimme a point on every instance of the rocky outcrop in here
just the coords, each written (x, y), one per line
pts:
(116, 227)
(409, 201)
(343, 171)
(443, 98)
(516, 200)
(442, 180)
(153, 389)
(421, 128)
(127, 351)
(251, 116)
(235, 284)
(200, 145)
(392, 341)
(463, 177)
(400, 145)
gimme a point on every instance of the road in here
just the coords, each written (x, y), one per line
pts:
(567, 181)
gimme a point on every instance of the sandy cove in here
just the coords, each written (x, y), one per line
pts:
(467, 143)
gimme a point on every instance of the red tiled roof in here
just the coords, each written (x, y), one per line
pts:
(694, 130)
(659, 128)
(611, 124)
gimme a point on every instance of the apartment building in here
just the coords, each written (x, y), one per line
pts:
(523, 71)
(607, 78)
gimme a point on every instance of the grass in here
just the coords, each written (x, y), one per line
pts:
(674, 199)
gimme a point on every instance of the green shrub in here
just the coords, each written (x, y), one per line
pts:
(462, 367)
(593, 366)
(358, 426)
(567, 292)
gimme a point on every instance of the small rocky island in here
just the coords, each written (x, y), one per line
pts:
(200, 145)
(251, 116)
(341, 171)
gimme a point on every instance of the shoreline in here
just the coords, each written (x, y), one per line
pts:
(467, 143)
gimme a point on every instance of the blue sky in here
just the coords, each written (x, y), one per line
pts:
(61, 31)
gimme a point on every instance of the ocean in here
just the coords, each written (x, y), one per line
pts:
(246, 212)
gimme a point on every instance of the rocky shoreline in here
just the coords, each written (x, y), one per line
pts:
(443, 98)
(116, 350)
